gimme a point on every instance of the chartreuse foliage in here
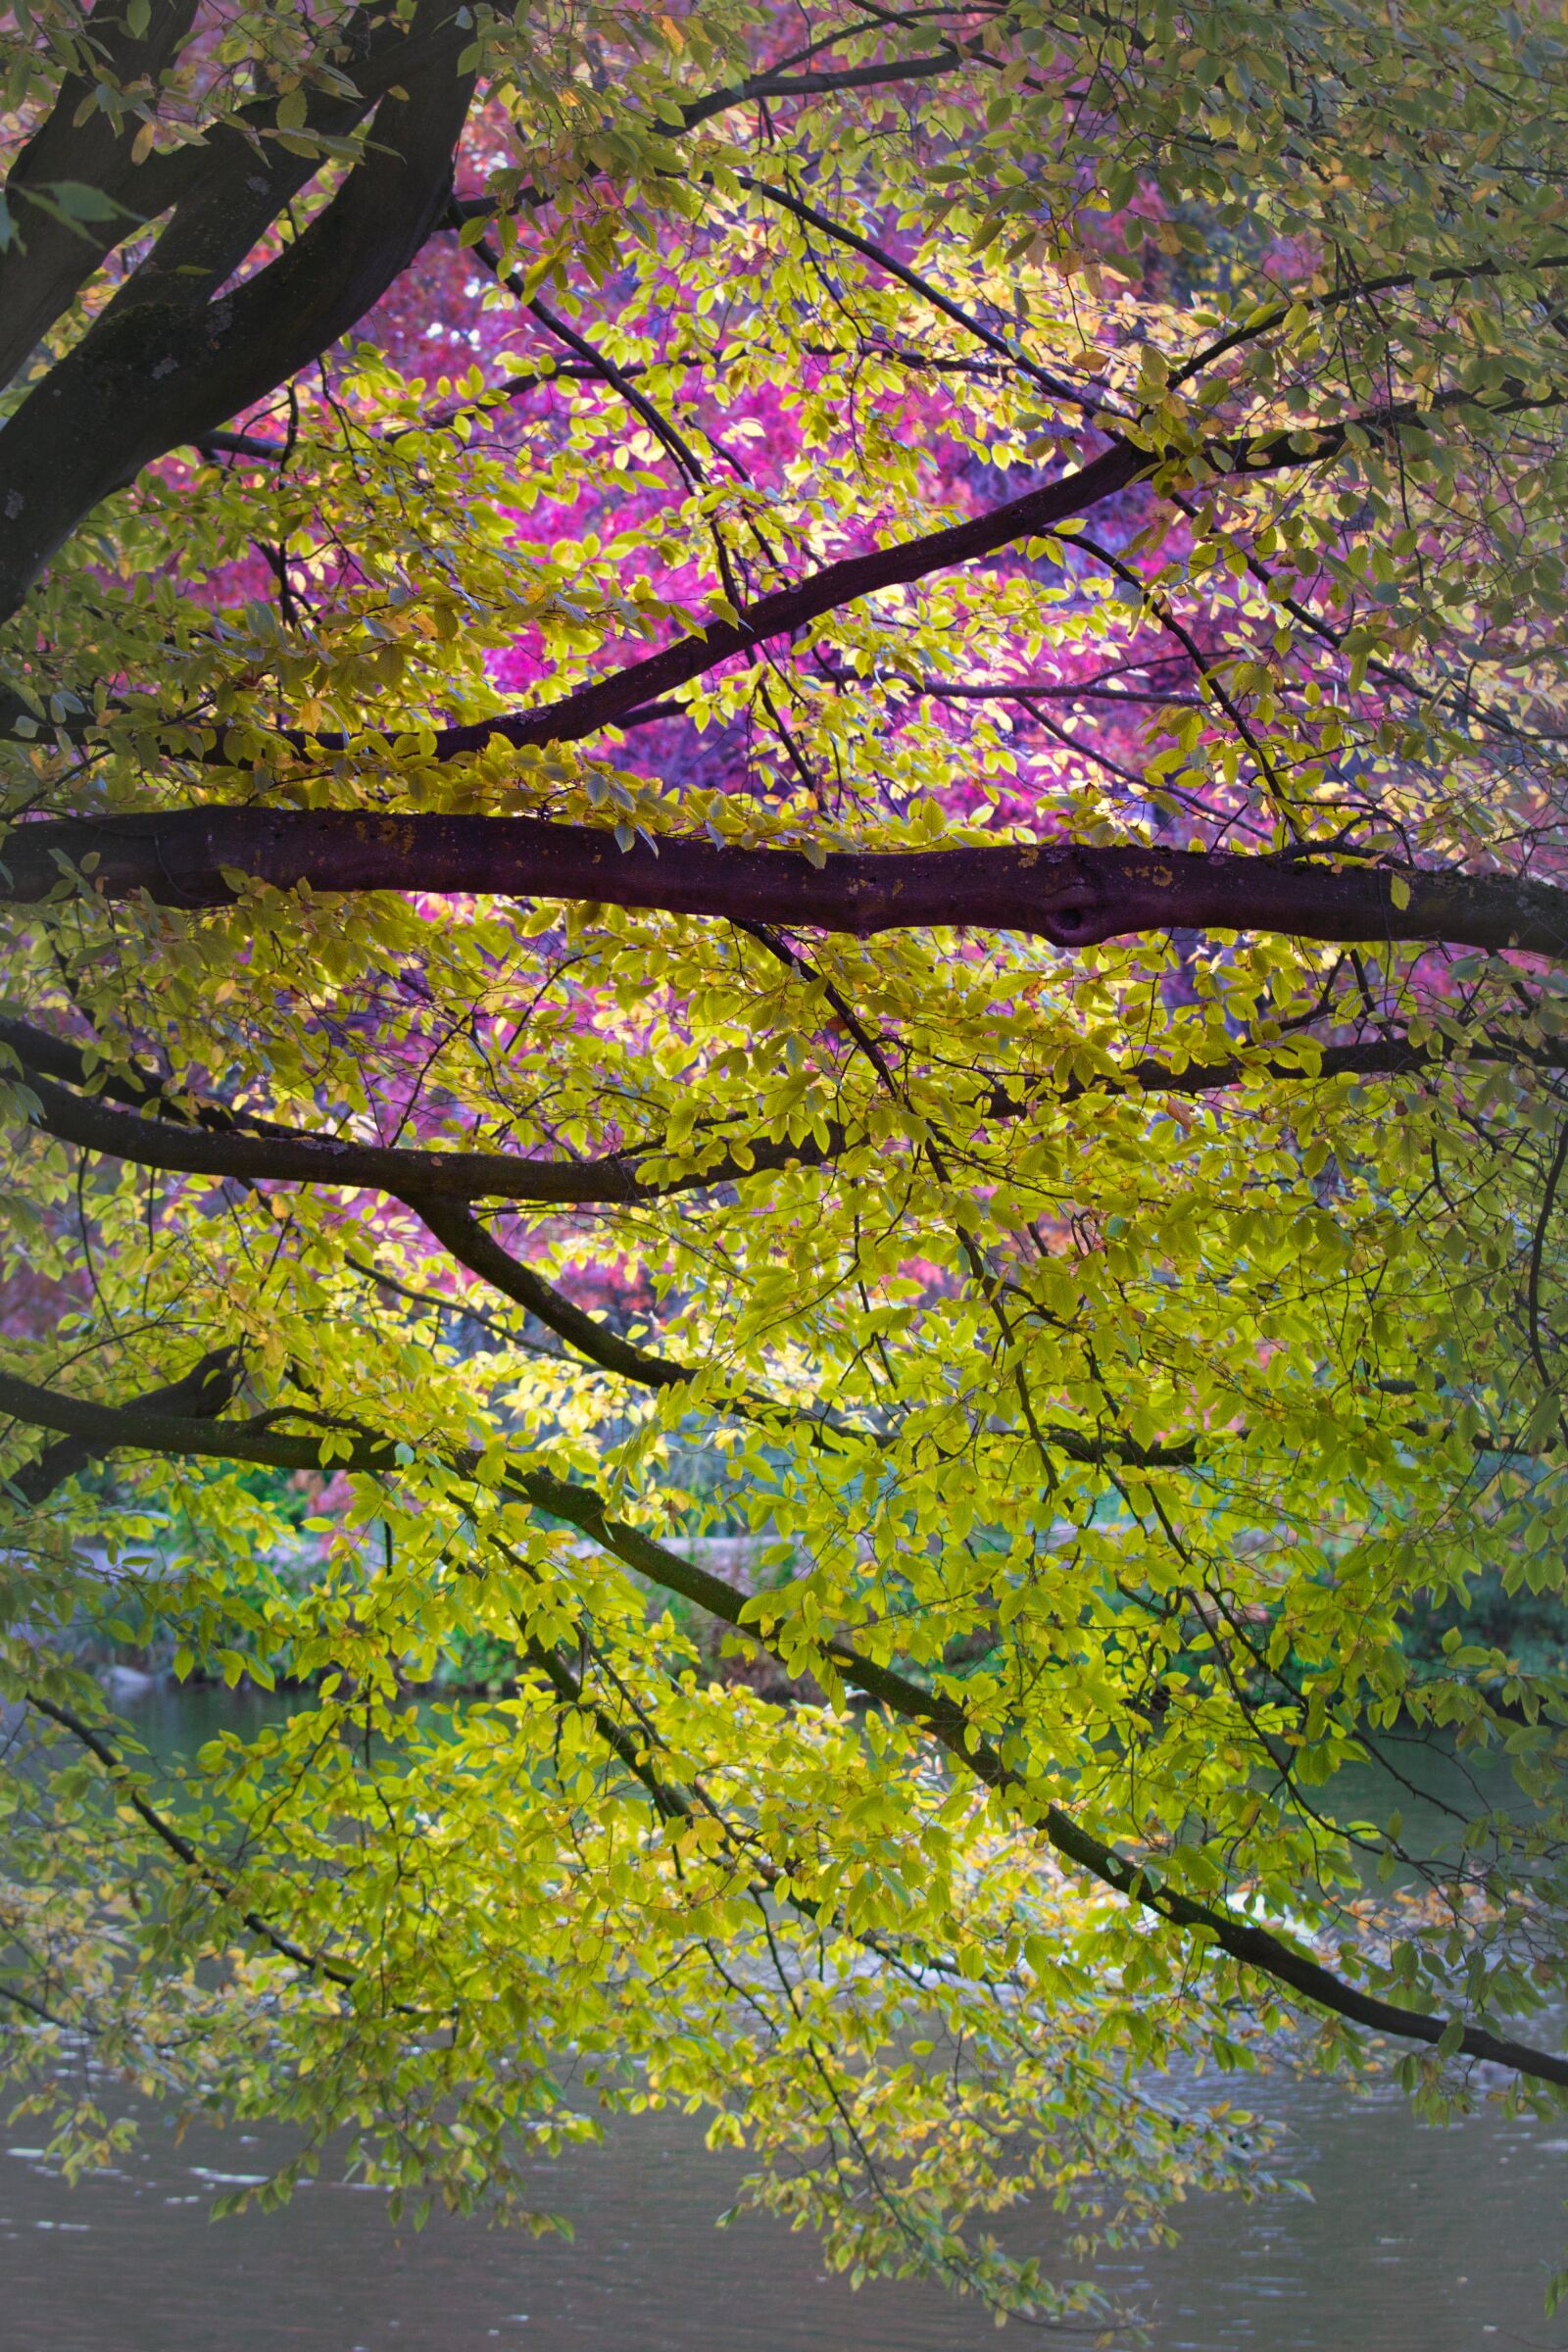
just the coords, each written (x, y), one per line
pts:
(1113, 1276)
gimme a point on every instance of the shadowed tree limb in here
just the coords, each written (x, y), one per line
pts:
(1073, 896)
(42, 270)
(606, 701)
(201, 1393)
(229, 186)
(810, 217)
(609, 700)
(210, 1143)
(777, 88)
(198, 1397)
(174, 1839)
(277, 1153)
(620, 697)
(464, 1239)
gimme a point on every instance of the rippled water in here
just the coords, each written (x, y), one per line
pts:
(1415, 2240)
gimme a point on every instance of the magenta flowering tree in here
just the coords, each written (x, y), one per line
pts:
(795, 780)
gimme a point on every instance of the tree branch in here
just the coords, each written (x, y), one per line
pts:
(464, 1239)
(604, 701)
(620, 697)
(613, 1180)
(208, 1142)
(178, 1844)
(1073, 896)
(776, 87)
(809, 216)
(202, 1393)
(612, 699)
(45, 267)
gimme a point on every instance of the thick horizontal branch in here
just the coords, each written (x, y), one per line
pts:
(201, 1394)
(1071, 896)
(111, 1428)
(612, 1180)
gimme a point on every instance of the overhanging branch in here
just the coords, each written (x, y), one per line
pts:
(201, 1394)
(168, 1833)
(209, 1143)
(278, 1155)
(607, 701)
(1071, 896)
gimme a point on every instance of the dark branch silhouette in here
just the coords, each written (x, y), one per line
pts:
(1071, 896)
(210, 1142)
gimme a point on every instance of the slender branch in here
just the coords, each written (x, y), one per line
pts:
(211, 1144)
(685, 457)
(8, 1993)
(180, 1845)
(1263, 322)
(669, 1803)
(1537, 1243)
(464, 1238)
(777, 88)
(809, 216)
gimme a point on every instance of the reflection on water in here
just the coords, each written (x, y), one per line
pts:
(1415, 2240)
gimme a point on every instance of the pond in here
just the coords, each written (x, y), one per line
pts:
(1413, 2240)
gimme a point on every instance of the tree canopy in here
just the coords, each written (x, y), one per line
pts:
(784, 875)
